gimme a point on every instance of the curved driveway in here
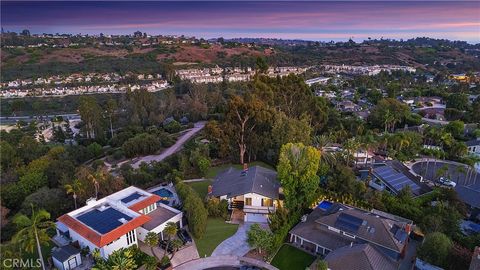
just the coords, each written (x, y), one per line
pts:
(172, 149)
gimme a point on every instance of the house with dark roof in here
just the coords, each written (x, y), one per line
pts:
(117, 221)
(359, 257)
(66, 257)
(335, 226)
(254, 192)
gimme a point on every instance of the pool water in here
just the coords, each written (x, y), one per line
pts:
(164, 193)
(325, 205)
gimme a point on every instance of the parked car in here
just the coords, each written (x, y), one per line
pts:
(446, 182)
(184, 236)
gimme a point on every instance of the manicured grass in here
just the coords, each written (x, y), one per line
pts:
(213, 171)
(217, 231)
(291, 258)
(201, 187)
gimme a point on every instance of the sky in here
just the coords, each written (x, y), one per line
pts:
(323, 21)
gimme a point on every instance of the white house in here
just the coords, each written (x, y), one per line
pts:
(254, 191)
(117, 221)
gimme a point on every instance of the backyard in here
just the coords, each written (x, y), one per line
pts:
(291, 258)
(217, 231)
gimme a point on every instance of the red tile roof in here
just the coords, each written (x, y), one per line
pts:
(148, 201)
(98, 239)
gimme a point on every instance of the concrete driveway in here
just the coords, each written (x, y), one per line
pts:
(236, 244)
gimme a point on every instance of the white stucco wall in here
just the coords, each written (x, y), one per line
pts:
(106, 250)
(256, 198)
(65, 265)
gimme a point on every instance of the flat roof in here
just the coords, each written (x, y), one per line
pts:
(103, 220)
(158, 217)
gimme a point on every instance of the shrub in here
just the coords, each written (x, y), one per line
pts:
(217, 208)
(194, 208)
(173, 127)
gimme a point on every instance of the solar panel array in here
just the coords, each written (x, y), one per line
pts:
(132, 197)
(396, 180)
(103, 221)
(348, 223)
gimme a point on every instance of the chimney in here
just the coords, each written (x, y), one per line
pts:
(210, 189)
(245, 167)
(351, 244)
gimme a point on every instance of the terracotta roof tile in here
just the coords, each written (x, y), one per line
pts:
(148, 201)
(98, 239)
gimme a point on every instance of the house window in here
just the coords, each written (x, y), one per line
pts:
(248, 201)
(131, 237)
(267, 202)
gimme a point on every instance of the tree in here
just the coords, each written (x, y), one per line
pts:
(242, 118)
(261, 65)
(111, 108)
(74, 188)
(33, 231)
(458, 101)
(297, 170)
(170, 231)
(456, 128)
(152, 239)
(387, 113)
(91, 114)
(94, 149)
(435, 249)
(122, 259)
(176, 245)
(260, 239)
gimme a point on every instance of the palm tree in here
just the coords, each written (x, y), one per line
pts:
(151, 239)
(33, 231)
(96, 178)
(170, 230)
(320, 142)
(122, 260)
(176, 244)
(74, 188)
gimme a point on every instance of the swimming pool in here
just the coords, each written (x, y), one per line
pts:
(164, 193)
(325, 205)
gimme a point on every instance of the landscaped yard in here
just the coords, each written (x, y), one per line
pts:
(217, 231)
(290, 258)
(201, 187)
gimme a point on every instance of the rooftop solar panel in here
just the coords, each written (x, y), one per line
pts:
(103, 221)
(349, 223)
(396, 180)
(130, 198)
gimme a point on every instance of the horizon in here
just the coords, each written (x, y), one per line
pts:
(310, 21)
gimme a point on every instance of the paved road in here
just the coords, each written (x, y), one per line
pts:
(236, 244)
(172, 149)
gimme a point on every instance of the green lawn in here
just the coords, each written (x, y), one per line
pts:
(217, 231)
(201, 187)
(290, 258)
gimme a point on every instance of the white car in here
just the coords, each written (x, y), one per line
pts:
(447, 182)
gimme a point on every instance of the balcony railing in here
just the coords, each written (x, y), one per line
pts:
(258, 209)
